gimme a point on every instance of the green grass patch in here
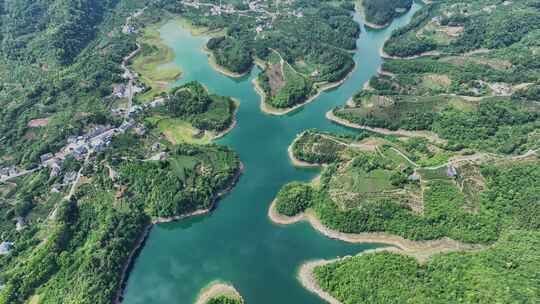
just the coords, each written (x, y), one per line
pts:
(179, 131)
(155, 63)
(356, 180)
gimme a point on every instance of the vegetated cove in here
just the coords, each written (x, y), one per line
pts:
(238, 243)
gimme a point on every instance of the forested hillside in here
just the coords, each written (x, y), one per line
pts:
(59, 60)
(473, 78)
(448, 151)
(84, 169)
(503, 273)
(298, 43)
(382, 12)
(51, 31)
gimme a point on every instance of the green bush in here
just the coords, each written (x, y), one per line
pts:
(224, 300)
(294, 198)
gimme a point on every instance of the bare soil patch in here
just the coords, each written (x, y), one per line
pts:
(40, 122)
(276, 79)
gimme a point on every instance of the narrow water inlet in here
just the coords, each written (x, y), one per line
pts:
(237, 243)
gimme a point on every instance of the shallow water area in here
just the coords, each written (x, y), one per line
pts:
(237, 242)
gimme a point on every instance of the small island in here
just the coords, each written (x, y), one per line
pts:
(219, 293)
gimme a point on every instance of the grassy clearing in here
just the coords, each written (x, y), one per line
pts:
(442, 35)
(359, 181)
(180, 131)
(392, 155)
(436, 82)
(182, 163)
(197, 30)
(154, 63)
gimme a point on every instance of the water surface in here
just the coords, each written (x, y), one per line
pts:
(237, 243)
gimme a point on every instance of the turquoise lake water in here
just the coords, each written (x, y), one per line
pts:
(237, 243)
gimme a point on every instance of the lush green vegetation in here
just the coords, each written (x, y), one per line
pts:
(296, 88)
(445, 209)
(497, 124)
(187, 181)
(478, 91)
(505, 273)
(322, 148)
(58, 63)
(192, 103)
(294, 198)
(224, 300)
(55, 32)
(383, 12)
(313, 38)
(101, 223)
(230, 54)
(60, 60)
(485, 24)
(367, 188)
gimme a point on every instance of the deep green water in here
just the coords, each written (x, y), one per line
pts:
(237, 243)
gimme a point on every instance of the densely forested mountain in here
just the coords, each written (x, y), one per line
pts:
(83, 172)
(56, 30)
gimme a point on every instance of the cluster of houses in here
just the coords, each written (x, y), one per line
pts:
(134, 110)
(225, 9)
(9, 171)
(120, 90)
(5, 247)
(451, 171)
(97, 139)
(128, 29)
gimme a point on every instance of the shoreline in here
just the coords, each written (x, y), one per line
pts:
(297, 162)
(268, 109)
(385, 55)
(360, 9)
(233, 124)
(277, 218)
(400, 133)
(376, 26)
(126, 269)
(219, 68)
(421, 250)
(216, 289)
(309, 282)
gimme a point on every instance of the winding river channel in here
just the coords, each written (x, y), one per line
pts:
(237, 243)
